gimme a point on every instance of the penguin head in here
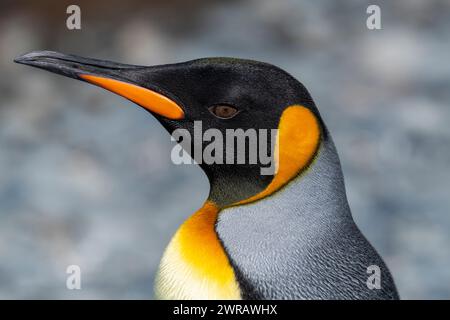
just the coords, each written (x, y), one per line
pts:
(228, 95)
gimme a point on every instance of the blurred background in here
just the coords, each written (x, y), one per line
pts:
(86, 176)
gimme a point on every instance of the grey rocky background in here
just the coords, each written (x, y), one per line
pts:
(86, 178)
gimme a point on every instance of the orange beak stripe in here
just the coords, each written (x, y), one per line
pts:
(146, 98)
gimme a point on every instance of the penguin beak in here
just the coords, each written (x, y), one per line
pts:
(122, 79)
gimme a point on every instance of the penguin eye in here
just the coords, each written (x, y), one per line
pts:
(223, 111)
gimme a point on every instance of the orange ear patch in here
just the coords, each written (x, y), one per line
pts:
(298, 140)
(144, 97)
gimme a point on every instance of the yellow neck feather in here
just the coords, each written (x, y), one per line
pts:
(195, 265)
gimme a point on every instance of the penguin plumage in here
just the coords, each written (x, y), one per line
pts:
(286, 235)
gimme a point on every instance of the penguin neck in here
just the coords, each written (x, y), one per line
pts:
(317, 192)
(267, 239)
(320, 184)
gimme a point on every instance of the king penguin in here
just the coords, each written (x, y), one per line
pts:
(285, 235)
